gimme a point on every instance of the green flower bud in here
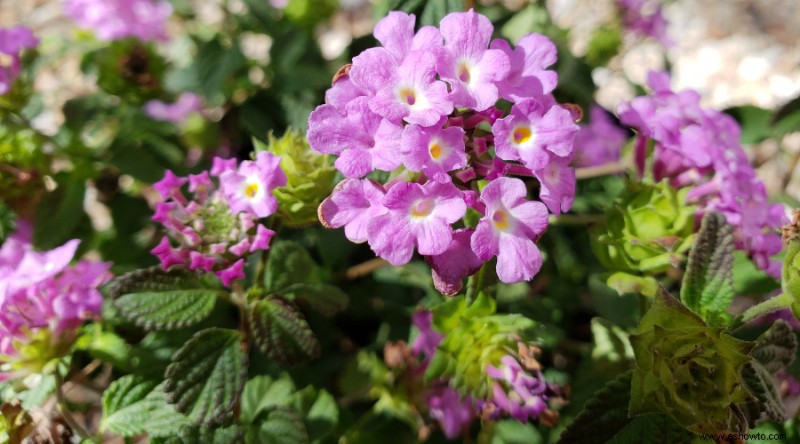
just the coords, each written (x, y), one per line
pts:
(686, 369)
(311, 177)
(648, 229)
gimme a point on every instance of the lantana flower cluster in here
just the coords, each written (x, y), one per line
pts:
(176, 112)
(424, 106)
(43, 300)
(645, 18)
(12, 42)
(218, 225)
(145, 20)
(699, 147)
(518, 388)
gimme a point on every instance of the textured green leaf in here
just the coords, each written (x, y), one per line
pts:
(132, 406)
(204, 435)
(262, 393)
(652, 429)
(319, 410)
(766, 403)
(707, 287)
(323, 298)
(289, 263)
(604, 415)
(155, 299)
(775, 348)
(281, 332)
(60, 215)
(207, 375)
(281, 426)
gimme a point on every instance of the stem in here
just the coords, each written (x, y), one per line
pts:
(577, 219)
(602, 170)
(364, 268)
(785, 300)
(475, 284)
(468, 4)
(64, 409)
(261, 269)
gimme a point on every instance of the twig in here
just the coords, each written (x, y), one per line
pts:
(364, 268)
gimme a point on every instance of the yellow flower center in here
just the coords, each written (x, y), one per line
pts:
(422, 208)
(521, 135)
(408, 96)
(251, 190)
(436, 150)
(500, 219)
(463, 73)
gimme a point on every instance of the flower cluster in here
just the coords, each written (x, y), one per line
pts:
(699, 147)
(218, 226)
(423, 105)
(518, 389)
(645, 18)
(43, 300)
(118, 19)
(177, 112)
(600, 142)
(12, 41)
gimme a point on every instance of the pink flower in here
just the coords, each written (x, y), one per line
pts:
(362, 139)
(396, 33)
(418, 215)
(454, 264)
(528, 76)
(557, 180)
(249, 188)
(352, 205)
(600, 142)
(645, 17)
(509, 229)
(117, 19)
(433, 151)
(472, 70)
(176, 112)
(533, 130)
(453, 413)
(517, 392)
(40, 293)
(12, 42)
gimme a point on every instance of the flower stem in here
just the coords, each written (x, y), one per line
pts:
(577, 219)
(602, 170)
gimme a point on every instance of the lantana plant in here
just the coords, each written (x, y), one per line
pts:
(257, 230)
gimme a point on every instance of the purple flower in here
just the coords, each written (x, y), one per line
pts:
(532, 131)
(12, 42)
(250, 187)
(407, 92)
(216, 228)
(645, 18)
(352, 205)
(517, 392)
(362, 139)
(417, 215)
(117, 19)
(527, 76)
(455, 263)
(176, 112)
(433, 151)
(472, 70)
(600, 142)
(428, 338)
(509, 229)
(557, 180)
(453, 413)
(395, 32)
(42, 297)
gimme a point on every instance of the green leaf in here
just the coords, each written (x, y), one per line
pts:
(626, 283)
(759, 382)
(262, 393)
(204, 435)
(60, 215)
(319, 409)
(132, 406)
(281, 426)
(707, 287)
(652, 429)
(604, 415)
(155, 299)
(281, 332)
(775, 348)
(754, 121)
(207, 375)
(323, 298)
(435, 11)
(289, 263)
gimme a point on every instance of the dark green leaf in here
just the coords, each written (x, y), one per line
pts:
(281, 426)
(207, 375)
(652, 429)
(707, 287)
(132, 406)
(60, 214)
(767, 403)
(755, 122)
(775, 348)
(204, 435)
(281, 332)
(289, 263)
(604, 415)
(323, 298)
(156, 299)
(435, 11)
